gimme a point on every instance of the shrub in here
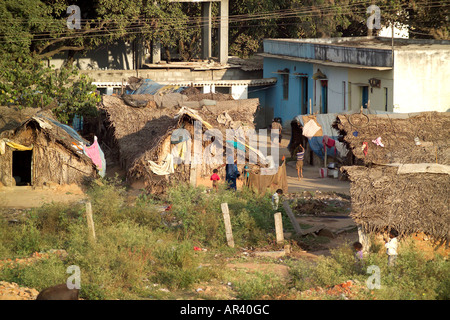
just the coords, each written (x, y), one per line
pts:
(177, 265)
(39, 275)
(27, 238)
(261, 286)
(202, 219)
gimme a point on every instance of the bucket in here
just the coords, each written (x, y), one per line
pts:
(323, 172)
(335, 173)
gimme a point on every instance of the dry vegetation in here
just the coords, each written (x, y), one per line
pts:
(144, 252)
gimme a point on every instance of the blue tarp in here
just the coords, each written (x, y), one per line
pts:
(237, 145)
(69, 130)
(78, 138)
(318, 148)
(148, 87)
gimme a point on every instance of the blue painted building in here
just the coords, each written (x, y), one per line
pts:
(335, 75)
(290, 96)
(316, 75)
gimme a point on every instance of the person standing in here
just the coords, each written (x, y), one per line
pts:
(391, 246)
(215, 179)
(299, 165)
(277, 126)
(232, 173)
(276, 199)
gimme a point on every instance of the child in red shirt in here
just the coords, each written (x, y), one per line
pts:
(215, 179)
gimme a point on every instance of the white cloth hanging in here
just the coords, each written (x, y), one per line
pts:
(166, 167)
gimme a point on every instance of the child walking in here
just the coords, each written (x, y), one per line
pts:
(215, 179)
(391, 246)
(276, 198)
(357, 246)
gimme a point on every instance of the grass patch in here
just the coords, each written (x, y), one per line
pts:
(138, 255)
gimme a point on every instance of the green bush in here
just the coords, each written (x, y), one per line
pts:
(27, 238)
(261, 286)
(57, 217)
(176, 265)
(202, 218)
(39, 275)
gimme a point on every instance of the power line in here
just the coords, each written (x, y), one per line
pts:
(192, 23)
(195, 21)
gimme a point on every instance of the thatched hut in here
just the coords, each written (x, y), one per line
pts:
(403, 181)
(39, 151)
(142, 135)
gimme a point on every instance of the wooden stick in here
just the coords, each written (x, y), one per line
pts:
(90, 220)
(228, 231)
(291, 216)
(279, 228)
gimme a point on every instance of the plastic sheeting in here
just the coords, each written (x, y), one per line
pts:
(151, 87)
(17, 146)
(70, 131)
(316, 136)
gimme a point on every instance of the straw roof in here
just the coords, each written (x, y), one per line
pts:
(404, 183)
(397, 132)
(139, 132)
(56, 155)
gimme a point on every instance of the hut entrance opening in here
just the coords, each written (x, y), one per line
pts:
(21, 167)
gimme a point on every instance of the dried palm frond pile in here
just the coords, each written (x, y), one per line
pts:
(56, 156)
(383, 195)
(143, 134)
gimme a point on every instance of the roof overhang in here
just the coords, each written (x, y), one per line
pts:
(324, 63)
(200, 83)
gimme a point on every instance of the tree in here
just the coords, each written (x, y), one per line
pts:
(423, 18)
(255, 20)
(28, 83)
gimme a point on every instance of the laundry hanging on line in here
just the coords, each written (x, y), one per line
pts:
(95, 153)
(328, 142)
(165, 168)
(310, 129)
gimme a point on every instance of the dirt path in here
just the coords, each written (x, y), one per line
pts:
(27, 197)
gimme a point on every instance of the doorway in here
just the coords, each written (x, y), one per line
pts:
(365, 96)
(304, 95)
(324, 107)
(22, 167)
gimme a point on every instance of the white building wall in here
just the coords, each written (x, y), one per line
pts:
(377, 96)
(114, 56)
(336, 76)
(239, 92)
(400, 31)
(421, 80)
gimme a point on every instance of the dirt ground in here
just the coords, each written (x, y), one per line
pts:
(25, 197)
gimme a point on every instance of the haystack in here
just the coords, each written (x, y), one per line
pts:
(404, 178)
(143, 135)
(40, 151)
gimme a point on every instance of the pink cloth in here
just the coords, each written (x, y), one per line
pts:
(328, 142)
(378, 142)
(94, 153)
